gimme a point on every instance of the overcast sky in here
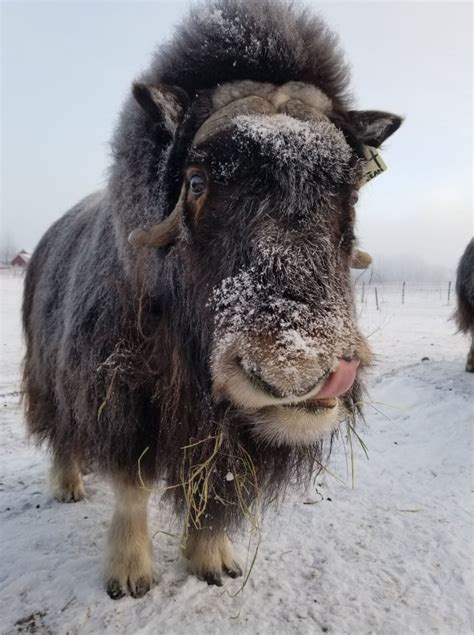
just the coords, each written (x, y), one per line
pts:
(67, 67)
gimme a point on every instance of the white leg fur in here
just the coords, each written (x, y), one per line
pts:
(210, 554)
(129, 557)
(66, 480)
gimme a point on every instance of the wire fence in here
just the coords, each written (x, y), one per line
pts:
(403, 292)
(366, 293)
(8, 271)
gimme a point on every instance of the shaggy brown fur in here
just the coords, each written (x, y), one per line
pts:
(123, 343)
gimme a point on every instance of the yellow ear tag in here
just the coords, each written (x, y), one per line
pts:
(373, 164)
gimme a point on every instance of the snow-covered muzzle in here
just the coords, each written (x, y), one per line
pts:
(287, 364)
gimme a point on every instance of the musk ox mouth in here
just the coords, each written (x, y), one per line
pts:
(305, 422)
(314, 405)
(319, 395)
(288, 419)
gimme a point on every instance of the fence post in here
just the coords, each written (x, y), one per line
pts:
(403, 293)
(449, 292)
(376, 299)
(363, 293)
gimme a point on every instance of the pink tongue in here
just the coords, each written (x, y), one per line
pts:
(339, 381)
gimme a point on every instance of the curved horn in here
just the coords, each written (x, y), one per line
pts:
(360, 259)
(161, 234)
(251, 105)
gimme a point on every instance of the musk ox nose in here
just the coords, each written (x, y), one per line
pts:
(256, 376)
(332, 383)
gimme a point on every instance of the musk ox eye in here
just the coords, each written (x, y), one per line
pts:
(197, 184)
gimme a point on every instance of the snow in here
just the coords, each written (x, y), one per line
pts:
(390, 556)
(306, 145)
(301, 348)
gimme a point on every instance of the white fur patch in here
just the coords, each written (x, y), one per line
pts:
(290, 426)
(66, 481)
(129, 558)
(170, 108)
(209, 551)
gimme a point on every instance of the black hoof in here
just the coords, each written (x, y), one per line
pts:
(141, 588)
(115, 590)
(234, 571)
(212, 578)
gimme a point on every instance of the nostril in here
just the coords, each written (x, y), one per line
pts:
(255, 375)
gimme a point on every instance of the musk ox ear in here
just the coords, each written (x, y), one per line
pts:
(162, 103)
(373, 127)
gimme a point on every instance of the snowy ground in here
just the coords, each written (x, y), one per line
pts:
(390, 557)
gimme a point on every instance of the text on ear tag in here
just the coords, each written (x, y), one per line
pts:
(373, 164)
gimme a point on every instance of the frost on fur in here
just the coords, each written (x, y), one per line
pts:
(198, 348)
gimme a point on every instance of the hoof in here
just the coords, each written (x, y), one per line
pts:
(210, 556)
(212, 578)
(140, 587)
(233, 571)
(69, 494)
(133, 576)
(215, 578)
(136, 588)
(114, 589)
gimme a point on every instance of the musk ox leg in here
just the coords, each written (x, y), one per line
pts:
(129, 558)
(66, 480)
(470, 355)
(210, 554)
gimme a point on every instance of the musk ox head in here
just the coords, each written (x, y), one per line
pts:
(261, 184)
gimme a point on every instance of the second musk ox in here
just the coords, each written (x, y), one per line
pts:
(464, 314)
(194, 322)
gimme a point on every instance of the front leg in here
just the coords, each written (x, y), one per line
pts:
(210, 554)
(129, 558)
(66, 479)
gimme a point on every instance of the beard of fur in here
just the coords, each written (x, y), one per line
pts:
(216, 472)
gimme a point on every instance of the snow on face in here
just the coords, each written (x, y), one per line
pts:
(289, 142)
(304, 152)
(290, 343)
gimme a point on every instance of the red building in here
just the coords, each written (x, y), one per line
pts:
(21, 259)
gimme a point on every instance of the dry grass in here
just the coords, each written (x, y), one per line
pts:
(196, 480)
(197, 476)
(202, 463)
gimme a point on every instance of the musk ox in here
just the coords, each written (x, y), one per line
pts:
(464, 314)
(193, 324)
